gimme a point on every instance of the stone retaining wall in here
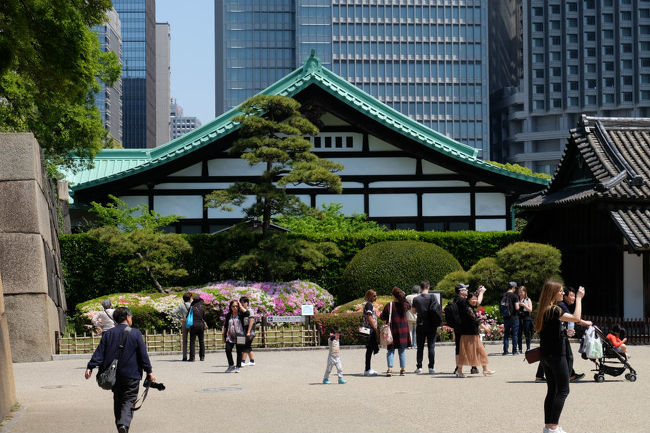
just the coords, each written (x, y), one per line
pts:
(7, 387)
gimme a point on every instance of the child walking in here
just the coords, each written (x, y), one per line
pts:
(333, 357)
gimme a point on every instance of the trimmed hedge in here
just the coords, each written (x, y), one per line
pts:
(90, 272)
(396, 263)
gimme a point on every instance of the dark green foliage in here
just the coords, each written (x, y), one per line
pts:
(146, 318)
(396, 263)
(520, 169)
(329, 219)
(488, 273)
(530, 264)
(90, 272)
(348, 323)
(447, 285)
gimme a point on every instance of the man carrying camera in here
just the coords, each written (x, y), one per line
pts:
(133, 360)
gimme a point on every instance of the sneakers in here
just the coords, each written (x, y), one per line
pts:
(418, 370)
(326, 381)
(557, 430)
(251, 363)
(122, 429)
(402, 372)
(460, 375)
(432, 371)
(474, 370)
(576, 377)
(236, 369)
(370, 372)
(389, 373)
(245, 363)
(230, 369)
(342, 381)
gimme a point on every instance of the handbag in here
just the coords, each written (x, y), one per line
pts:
(364, 331)
(385, 334)
(595, 350)
(533, 355)
(107, 378)
(241, 339)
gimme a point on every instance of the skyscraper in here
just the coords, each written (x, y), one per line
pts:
(109, 99)
(425, 59)
(572, 57)
(138, 72)
(181, 125)
(163, 91)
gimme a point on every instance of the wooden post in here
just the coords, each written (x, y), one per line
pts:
(264, 331)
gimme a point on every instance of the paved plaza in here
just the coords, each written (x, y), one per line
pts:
(284, 393)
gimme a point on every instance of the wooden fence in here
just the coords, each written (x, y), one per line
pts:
(285, 336)
(638, 331)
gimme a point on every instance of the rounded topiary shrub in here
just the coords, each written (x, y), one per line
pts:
(530, 264)
(488, 273)
(395, 263)
(447, 285)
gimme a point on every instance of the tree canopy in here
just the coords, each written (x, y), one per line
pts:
(51, 63)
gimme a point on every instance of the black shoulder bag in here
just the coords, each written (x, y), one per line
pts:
(106, 379)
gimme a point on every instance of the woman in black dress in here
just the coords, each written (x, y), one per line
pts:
(370, 321)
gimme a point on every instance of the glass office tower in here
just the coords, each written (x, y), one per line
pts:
(427, 59)
(576, 56)
(138, 18)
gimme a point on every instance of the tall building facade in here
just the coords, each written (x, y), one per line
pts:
(109, 99)
(138, 72)
(181, 125)
(425, 59)
(163, 83)
(577, 56)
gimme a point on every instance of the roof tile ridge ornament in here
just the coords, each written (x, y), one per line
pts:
(634, 179)
(312, 64)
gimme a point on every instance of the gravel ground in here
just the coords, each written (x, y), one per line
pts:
(284, 393)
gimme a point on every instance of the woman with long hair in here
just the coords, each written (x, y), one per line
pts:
(233, 328)
(399, 327)
(553, 348)
(471, 350)
(370, 321)
(525, 321)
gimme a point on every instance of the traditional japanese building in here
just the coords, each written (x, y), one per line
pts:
(397, 171)
(597, 212)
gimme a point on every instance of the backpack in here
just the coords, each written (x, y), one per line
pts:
(190, 318)
(435, 312)
(504, 306)
(452, 316)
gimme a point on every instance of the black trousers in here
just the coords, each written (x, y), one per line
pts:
(197, 332)
(229, 347)
(569, 361)
(372, 347)
(556, 370)
(125, 393)
(428, 333)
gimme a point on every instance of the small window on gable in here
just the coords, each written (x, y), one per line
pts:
(339, 142)
(317, 142)
(349, 142)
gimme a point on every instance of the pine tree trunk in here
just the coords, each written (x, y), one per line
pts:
(151, 275)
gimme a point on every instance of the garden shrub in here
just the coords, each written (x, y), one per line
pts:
(530, 264)
(348, 323)
(488, 273)
(396, 263)
(447, 285)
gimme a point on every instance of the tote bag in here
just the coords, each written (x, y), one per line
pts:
(385, 334)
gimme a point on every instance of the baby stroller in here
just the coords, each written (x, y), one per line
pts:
(612, 362)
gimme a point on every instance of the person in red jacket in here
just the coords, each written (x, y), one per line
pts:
(615, 338)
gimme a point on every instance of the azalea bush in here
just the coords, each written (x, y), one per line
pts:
(154, 311)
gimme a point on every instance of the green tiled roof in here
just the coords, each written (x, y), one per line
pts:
(113, 164)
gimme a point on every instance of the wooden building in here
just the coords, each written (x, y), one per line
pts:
(397, 171)
(597, 212)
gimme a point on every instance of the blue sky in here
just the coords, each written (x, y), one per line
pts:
(192, 54)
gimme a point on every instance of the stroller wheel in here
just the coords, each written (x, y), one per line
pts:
(599, 378)
(631, 377)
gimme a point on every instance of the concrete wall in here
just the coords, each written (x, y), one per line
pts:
(30, 262)
(7, 387)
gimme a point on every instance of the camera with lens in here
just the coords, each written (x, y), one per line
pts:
(149, 383)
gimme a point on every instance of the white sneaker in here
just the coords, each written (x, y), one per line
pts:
(418, 370)
(370, 372)
(245, 363)
(236, 369)
(251, 363)
(558, 429)
(432, 371)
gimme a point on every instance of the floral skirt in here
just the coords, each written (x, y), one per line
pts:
(472, 351)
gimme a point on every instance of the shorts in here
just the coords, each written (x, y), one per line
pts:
(248, 346)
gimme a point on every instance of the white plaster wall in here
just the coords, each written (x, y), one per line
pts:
(135, 200)
(483, 184)
(185, 206)
(375, 144)
(446, 204)
(234, 167)
(192, 170)
(632, 286)
(388, 205)
(490, 203)
(352, 203)
(490, 224)
(420, 184)
(430, 168)
(237, 211)
(376, 166)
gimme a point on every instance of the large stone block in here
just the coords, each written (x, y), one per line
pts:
(25, 209)
(21, 157)
(29, 318)
(22, 263)
(7, 385)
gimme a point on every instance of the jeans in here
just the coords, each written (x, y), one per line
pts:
(428, 333)
(413, 331)
(390, 354)
(557, 383)
(510, 329)
(525, 329)
(197, 332)
(229, 347)
(125, 393)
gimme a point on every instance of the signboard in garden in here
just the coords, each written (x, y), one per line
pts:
(285, 319)
(307, 310)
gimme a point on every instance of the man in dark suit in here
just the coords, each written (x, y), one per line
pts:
(133, 360)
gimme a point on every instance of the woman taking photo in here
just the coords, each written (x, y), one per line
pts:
(370, 321)
(471, 350)
(553, 347)
(232, 330)
(525, 321)
(395, 313)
